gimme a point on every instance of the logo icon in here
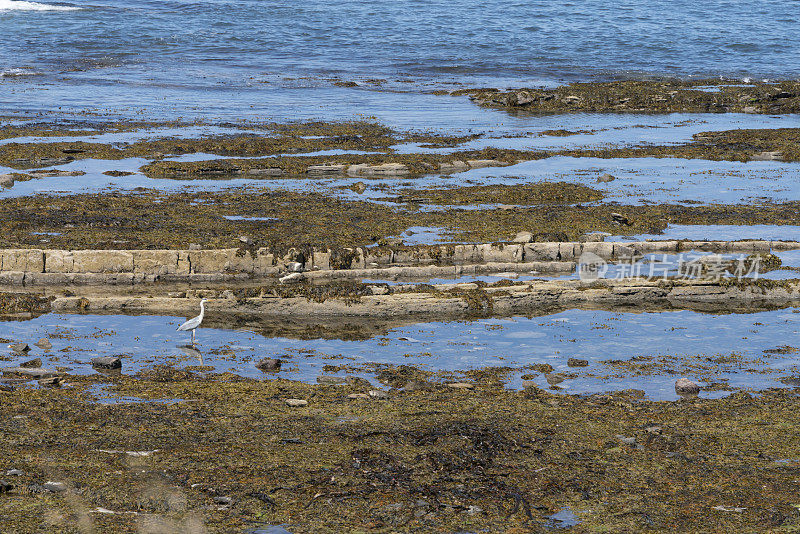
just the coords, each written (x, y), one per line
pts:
(591, 266)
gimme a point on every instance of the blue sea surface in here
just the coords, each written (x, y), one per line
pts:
(278, 59)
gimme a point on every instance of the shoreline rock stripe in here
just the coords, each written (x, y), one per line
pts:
(468, 299)
(37, 266)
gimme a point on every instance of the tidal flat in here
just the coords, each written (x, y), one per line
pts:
(444, 365)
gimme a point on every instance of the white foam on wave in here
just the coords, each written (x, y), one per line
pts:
(13, 73)
(23, 5)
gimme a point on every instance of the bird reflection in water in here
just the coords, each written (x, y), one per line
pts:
(192, 352)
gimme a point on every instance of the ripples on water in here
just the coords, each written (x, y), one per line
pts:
(151, 50)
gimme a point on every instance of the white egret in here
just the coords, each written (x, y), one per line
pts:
(193, 323)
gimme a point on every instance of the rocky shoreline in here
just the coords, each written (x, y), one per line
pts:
(137, 446)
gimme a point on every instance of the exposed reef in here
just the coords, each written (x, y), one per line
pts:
(663, 96)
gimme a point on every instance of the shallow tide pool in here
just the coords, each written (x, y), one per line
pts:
(648, 351)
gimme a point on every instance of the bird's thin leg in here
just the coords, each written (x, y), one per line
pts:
(193, 337)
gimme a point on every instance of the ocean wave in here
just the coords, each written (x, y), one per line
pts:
(23, 5)
(13, 73)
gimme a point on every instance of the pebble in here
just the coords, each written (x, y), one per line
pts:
(577, 362)
(296, 403)
(332, 380)
(378, 394)
(51, 381)
(20, 348)
(107, 362)
(245, 239)
(460, 385)
(684, 386)
(721, 508)
(14, 473)
(355, 396)
(223, 500)
(54, 487)
(44, 344)
(269, 364)
(36, 362)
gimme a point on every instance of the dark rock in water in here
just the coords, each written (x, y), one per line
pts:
(554, 378)
(5, 487)
(19, 347)
(118, 173)
(605, 178)
(269, 364)
(51, 382)
(44, 344)
(36, 362)
(685, 387)
(107, 362)
(577, 362)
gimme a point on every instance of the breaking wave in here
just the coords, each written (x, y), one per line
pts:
(22, 5)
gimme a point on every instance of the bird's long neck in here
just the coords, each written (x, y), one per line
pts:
(202, 309)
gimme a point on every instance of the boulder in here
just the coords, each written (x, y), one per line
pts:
(523, 237)
(685, 387)
(107, 362)
(19, 348)
(269, 364)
